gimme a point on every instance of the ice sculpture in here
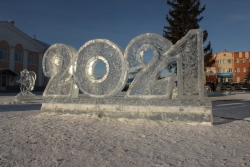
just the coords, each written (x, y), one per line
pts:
(187, 52)
(27, 81)
(147, 97)
(116, 75)
(58, 64)
(145, 84)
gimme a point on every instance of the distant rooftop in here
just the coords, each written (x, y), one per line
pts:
(42, 43)
(12, 22)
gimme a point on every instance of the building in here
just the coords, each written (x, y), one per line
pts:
(224, 66)
(229, 67)
(241, 64)
(18, 51)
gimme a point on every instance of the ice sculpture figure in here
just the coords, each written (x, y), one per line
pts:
(27, 81)
(58, 63)
(71, 71)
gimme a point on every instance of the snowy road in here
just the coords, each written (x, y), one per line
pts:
(235, 106)
(31, 138)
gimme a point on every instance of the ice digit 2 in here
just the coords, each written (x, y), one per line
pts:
(145, 84)
(58, 63)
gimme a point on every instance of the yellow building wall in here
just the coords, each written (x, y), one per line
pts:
(224, 61)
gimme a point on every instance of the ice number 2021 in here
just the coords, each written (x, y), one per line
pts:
(71, 70)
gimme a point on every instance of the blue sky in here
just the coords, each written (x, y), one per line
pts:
(75, 22)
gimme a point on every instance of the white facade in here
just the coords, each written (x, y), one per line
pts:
(11, 40)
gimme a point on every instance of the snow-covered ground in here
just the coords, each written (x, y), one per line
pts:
(31, 138)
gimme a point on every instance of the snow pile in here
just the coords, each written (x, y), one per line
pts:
(15, 101)
(32, 138)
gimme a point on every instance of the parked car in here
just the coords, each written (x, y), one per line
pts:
(129, 81)
(242, 86)
(225, 86)
(210, 86)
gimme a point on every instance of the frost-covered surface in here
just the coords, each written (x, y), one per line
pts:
(11, 98)
(32, 138)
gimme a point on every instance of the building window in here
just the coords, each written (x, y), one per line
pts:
(244, 69)
(221, 70)
(219, 61)
(238, 69)
(18, 55)
(225, 70)
(3, 53)
(237, 60)
(229, 61)
(243, 60)
(238, 79)
(224, 61)
(219, 80)
(230, 70)
(31, 58)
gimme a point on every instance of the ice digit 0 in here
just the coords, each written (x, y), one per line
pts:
(116, 75)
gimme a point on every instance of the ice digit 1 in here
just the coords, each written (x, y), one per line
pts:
(58, 64)
(115, 76)
(190, 65)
